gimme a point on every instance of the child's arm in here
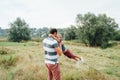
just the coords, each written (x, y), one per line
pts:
(58, 40)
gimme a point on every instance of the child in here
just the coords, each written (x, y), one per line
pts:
(66, 52)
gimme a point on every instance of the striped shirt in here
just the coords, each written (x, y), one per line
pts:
(49, 45)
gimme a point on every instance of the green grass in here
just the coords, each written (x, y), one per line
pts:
(25, 61)
(18, 44)
(11, 44)
(113, 70)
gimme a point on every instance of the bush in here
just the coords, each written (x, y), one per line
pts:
(7, 58)
(4, 51)
(8, 61)
(117, 37)
(21, 29)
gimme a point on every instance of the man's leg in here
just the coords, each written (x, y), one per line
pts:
(56, 72)
(50, 75)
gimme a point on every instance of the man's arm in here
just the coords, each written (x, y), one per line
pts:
(59, 51)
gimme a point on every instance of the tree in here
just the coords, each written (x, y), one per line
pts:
(19, 31)
(95, 30)
(33, 32)
(117, 35)
(43, 32)
(3, 32)
(61, 31)
(70, 33)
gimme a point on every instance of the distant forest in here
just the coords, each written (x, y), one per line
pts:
(34, 32)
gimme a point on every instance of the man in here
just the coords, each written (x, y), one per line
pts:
(66, 51)
(52, 51)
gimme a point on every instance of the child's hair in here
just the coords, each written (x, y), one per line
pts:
(60, 37)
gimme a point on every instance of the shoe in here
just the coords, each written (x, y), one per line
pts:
(80, 60)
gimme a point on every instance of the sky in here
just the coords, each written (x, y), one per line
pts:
(54, 13)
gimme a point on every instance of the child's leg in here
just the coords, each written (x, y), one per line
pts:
(69, 54)
(66, 52)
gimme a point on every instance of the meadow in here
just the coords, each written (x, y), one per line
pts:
(25, 61)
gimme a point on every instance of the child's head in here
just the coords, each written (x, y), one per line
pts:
(59, 36)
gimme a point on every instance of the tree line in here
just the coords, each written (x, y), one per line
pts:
(90, 29)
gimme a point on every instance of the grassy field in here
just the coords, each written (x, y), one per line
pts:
(25, 61)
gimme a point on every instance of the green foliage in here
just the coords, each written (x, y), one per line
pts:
(70, 33)
(90, 74)
(61, 31)
(43, 32)
(11, 44)
(3, 32)
(33, 32)
(19, 31)
(8, 60)
(95, 30)
(117, 36)
(7, 57)
(39, 33)
(113, 70)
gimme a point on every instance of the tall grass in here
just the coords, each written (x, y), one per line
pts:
(25, 61)
(7, 57)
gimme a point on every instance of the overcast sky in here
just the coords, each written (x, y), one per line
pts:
(54, 13)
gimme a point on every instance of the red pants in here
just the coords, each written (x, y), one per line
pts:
(53, 71)
(69, 54)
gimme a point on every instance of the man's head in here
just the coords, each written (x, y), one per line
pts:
(53, 31)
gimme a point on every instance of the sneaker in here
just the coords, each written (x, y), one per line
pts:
(80, 60)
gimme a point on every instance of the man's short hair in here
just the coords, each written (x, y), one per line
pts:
(53, 30)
